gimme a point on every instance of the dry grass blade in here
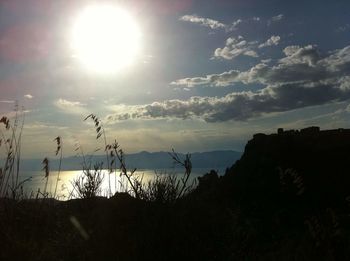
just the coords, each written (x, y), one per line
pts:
(187, 164)
(118, 155)
(58, 149)
(46, 169)
(100, 131)
(98, 125)
(45, 162)
(88, 185)
(5, 121)
(58, 141)
(11, 144)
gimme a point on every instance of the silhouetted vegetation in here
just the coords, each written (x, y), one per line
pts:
(287, 198)
(88, 185)
(10, 143)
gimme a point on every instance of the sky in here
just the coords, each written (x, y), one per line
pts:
(207, 76)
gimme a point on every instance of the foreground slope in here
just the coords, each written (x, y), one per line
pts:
(285, 199)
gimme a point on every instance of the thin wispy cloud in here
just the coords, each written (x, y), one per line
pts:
(7, 101)
(28, 96)
(275, 19)
(42, 125)
(215, 24)
(343, 28)
(217, 80)
(234, 25)
(71, 107)
(207, 22)
(272, 41)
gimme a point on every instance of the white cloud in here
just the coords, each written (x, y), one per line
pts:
(238, 105)
(207, 22)
(73, 107)
(235, 47)
(28, 96)
(273, 40)
(301, 55)
(214, 24)
(63, 102)
(300, 64)
(251, 53)
(277, 18)
(234, 25)
(41, 125)
(302, 78)
(219, 80)
(7, 101)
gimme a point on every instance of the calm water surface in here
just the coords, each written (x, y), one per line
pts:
(118, 183)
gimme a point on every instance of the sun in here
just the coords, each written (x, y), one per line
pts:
(105, 38)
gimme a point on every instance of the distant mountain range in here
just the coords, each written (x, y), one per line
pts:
(145, 160)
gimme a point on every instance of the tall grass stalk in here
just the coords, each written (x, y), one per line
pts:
(171, 188)
(118, 154)
(59, 149)
(187, 164)
(46, 169)
(101, 132)
(9, 174)
(18, 146)
(88, 185)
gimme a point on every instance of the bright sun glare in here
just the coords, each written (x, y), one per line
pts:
(105, 38)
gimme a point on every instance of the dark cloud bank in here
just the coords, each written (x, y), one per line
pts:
(303, 77)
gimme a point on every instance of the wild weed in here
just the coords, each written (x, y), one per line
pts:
(46, 170)
(10, 141)
(169, 188)
(162, 188)
(117, 154)
(58, 150)
(101, 132)
(187, 165)
(88, 185)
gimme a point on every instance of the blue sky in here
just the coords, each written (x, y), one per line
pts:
(209, 75)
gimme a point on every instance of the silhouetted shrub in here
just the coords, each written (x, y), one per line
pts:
(88, 184)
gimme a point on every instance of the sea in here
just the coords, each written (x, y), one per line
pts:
(34, 182)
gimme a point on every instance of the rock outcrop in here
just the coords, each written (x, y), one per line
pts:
(310, 162)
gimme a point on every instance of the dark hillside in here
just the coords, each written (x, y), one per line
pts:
(317, 160)
(285, 199)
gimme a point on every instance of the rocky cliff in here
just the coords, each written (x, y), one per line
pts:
(311, 163)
